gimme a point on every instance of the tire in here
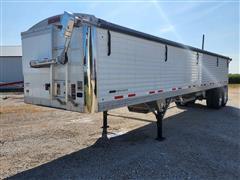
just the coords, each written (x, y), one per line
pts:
(215, 98)
(209, 100)
(224, 95)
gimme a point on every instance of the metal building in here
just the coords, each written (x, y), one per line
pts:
(11, 74)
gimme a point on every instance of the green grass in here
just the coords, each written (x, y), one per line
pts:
(234, 78)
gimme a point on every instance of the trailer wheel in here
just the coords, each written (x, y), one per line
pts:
(217, 98)
(209, 100)
(225, 95)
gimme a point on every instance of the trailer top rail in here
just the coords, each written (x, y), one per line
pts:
(91, 19)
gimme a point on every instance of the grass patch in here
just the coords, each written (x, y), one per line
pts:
(234, 78)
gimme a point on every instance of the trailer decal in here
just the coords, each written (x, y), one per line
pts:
(112, 91)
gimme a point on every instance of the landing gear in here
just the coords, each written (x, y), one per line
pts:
(159, 117)
(159, 114)
(158, 108)
(105, 124)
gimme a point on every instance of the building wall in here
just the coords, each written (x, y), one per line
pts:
(10, 69)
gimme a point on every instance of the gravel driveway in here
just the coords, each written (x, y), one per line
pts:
(44, 143)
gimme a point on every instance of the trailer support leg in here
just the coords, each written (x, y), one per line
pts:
(159, 117)
(159, 114)
(105, 124)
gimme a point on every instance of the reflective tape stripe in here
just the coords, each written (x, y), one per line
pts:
(118, 97)
(131, 95)
(151, 92)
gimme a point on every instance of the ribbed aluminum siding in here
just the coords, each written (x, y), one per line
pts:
(10, 70)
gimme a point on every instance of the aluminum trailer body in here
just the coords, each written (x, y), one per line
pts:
(82, 63)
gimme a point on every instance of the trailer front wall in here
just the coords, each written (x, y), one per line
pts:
(138, 68)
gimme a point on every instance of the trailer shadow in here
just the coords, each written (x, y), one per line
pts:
(201, 143)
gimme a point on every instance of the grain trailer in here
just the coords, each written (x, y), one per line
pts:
(78, 62)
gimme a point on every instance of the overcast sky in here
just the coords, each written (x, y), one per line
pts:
(183, 21)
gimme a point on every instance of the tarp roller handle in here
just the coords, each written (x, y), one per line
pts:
(109, 43)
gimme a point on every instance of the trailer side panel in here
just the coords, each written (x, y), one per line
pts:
(140, 70)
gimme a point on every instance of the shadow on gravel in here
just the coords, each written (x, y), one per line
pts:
(232, 110)
(201, 143)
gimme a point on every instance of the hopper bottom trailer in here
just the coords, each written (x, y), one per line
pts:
(81, 63)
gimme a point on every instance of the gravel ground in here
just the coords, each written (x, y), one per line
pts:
(45, 143)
